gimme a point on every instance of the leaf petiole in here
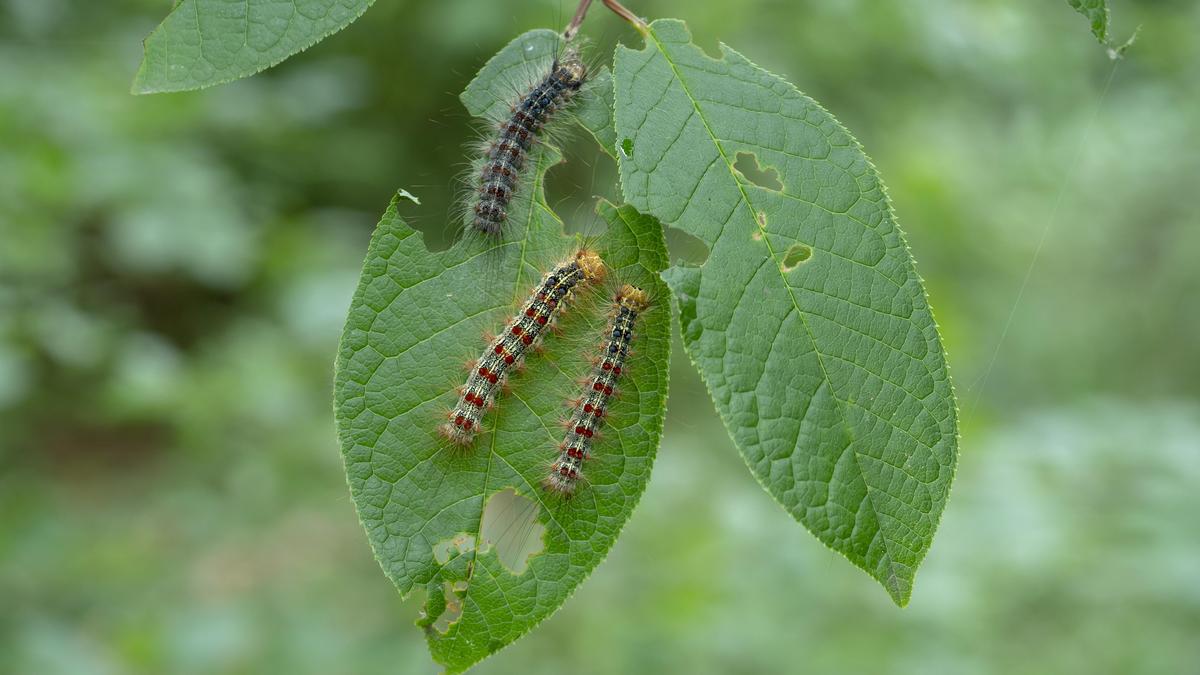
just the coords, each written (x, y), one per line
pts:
(617, 8)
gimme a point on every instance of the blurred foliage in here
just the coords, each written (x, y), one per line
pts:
(174, 272)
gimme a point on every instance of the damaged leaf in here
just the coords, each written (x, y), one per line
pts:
(808, 321)
(491, 574)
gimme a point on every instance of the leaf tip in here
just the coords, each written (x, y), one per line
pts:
(898, 584)
(140, 85)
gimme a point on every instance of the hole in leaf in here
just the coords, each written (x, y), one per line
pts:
(627, 147)
(685, 249)
(510, 525)
(443, 602)
(446, 549)
(441, 607)
(768, 178)
(453, 606)
(796, 254)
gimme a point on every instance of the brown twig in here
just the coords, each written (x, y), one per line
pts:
(623, 12)
(573, 27)
(616, 8)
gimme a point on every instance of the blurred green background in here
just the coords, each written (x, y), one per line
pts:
(175, 270)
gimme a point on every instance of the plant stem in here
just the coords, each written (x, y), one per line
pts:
(573, 27)
(613, 5)
(623, 12)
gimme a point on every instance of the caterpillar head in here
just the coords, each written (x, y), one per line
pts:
(573, 69)
(633, 297)
(591, 264)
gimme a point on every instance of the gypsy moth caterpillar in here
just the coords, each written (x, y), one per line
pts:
(505, 155)
(589, 411)
(523, 332)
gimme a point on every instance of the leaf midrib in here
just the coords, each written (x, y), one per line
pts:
(795, 304)
(534, 187)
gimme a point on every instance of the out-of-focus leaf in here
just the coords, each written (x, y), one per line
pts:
(1097, 15)
(207, 42)
(1096, 12)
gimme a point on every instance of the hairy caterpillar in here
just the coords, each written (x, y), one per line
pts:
(507, 351)
(505, 156)
(588, 412)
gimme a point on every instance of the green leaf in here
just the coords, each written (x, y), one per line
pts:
(207, 42)
(808, 321)
(473, 528)
(1097, 15)
(1096, 12)
(595, 111)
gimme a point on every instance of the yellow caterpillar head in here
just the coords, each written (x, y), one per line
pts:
(591, 264)
(573, 69)
(633, 297)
